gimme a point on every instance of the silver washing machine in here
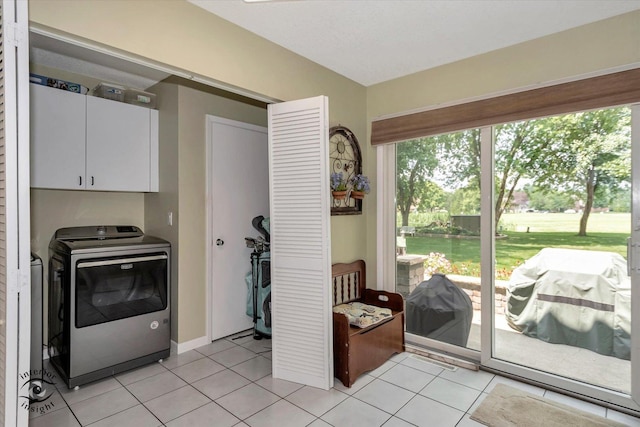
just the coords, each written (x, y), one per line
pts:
(109, 308)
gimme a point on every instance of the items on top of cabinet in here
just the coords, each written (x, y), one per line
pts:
(109, 91)
(104, 90)
(125, 94)
(58, 84)
(139, 97)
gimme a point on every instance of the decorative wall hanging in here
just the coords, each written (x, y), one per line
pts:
(345, 162)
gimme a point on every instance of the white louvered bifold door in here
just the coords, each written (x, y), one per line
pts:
(300, 242)
(15, 266)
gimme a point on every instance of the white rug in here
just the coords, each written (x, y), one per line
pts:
(508, 407)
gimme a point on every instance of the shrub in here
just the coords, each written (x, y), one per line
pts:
(436, 262)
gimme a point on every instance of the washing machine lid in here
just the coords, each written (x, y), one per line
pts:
(103, 238)
(98, 232)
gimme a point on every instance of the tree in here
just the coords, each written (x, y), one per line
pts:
(600, 154)
(522, 149)
(460, 158)
(465, 201)
(433, 197)
(548, 199)
(418, 160)
(574, 154)
(621, 199)
(583, 155)
(459, 169)
(415, 163)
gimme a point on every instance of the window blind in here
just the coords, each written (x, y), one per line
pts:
(596, 92)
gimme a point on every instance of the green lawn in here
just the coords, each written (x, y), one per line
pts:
(605, 232)
(598, 223)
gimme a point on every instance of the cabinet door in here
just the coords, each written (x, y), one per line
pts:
(57, 138)
(118, 146)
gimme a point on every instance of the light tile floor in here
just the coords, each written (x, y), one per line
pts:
(229, 383)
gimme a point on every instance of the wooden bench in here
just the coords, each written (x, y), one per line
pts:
(358, 350)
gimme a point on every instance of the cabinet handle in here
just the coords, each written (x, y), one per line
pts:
(80, 181)
(92, 181)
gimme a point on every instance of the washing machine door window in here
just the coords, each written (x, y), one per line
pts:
(111, 289)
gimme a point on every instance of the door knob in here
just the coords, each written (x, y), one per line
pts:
(219, 242)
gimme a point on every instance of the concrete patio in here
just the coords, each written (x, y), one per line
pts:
(571, 362)
(512, 346)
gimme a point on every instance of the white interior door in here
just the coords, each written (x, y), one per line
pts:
(301, 242)
(239, 184)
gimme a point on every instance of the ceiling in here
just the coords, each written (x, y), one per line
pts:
(371, 41)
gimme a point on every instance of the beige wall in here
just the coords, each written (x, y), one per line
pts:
(158, 205)
(181, 35)
(184, 36)
(194, 105)
(53, 209)
(591, 48)
(183, 192)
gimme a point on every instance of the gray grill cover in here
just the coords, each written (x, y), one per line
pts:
(438, 309)
(574, 297)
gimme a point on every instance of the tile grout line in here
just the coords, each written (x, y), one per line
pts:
(325, 412)
(280, 400)
(195, 409)
(142, 403)
(418, 393)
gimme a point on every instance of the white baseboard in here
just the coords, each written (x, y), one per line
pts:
(178, 348)
(175, 347)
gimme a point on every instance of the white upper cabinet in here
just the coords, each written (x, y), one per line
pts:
(98, 144)
(58, 132)
(119, 145)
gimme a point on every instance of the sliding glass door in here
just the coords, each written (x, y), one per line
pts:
(438, 238)
(562, 206)
(532, 224)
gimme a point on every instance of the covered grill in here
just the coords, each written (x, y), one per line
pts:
(574, 297)
(440, 310)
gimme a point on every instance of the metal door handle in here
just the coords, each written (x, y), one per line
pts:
(219, 242)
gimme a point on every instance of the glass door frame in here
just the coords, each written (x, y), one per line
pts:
(635, 255)
(386, 274)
